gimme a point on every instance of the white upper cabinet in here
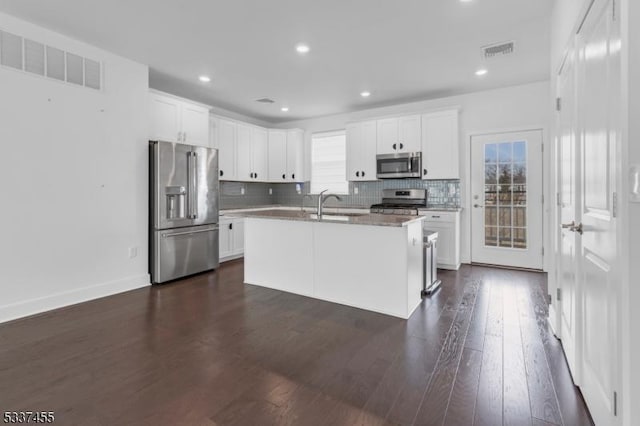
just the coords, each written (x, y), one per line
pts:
(295, 155)
(251, 152)
(398, 134)
(277, 155)
(259, 154)
(178, 120)
(440, 145)
(409, 133)
(361, 151)
(195, 125)
(227, 149)
(164, 118)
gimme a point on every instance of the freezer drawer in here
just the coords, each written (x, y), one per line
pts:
(184, 251)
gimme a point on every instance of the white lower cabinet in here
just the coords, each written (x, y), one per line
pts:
(447, 225)
(231, 238)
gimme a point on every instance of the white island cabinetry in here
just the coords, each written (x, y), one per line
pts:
(339, 262)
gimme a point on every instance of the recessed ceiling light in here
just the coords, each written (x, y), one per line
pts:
(302, 48)
(481, 72)
(204, 78)
(284, 109)
(365, 94)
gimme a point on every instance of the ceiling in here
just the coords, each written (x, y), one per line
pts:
(399, 50)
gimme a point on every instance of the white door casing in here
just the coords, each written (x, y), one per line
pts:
(507, 203)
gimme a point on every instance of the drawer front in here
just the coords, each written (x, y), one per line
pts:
(184, 251)
(440, 217)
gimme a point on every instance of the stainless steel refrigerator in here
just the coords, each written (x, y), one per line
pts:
(183, 210)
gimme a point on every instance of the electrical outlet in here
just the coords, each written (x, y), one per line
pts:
(242, 191)
(270, 191)
(133, 252)
(355, 190)
(298, 188)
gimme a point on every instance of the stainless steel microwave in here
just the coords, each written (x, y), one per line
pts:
(398, 166)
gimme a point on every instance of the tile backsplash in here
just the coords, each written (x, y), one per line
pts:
(441, 193)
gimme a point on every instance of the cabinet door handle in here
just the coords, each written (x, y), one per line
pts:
(424, 172)
(401, 146)
(251, 175)
(184, 136)
(221, 173)
(230, 226)
(394, 146)
(284, 176)
(255, 175)
(363, 173)
(293, 176)
(435, 217)
(357, 174)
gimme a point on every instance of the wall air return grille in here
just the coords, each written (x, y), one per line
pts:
(37, 58)
(498, 50)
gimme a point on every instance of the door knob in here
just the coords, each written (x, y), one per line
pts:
(578, 229)
(569, 226)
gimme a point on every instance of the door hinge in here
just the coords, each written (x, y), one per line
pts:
(558, 104)
(542, 198)
(613, 10)
(549, 299)
(615, 403)
(615, 204)
(542, 147)
(558, 294)
(542, 251)
(557, 198)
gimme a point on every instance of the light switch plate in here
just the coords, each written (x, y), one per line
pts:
(634, 183)
(242, 191)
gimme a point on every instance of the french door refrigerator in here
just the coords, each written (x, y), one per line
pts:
(183, 210)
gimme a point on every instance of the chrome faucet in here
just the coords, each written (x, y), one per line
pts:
(322, 198)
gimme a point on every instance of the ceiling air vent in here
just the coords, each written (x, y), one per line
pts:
(497, 50)
(265, 101)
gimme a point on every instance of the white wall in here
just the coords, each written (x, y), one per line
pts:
(74, 182)
(512, 108)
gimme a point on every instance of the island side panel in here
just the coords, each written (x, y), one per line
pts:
(279, 254)
(362, 266)
(414, 266)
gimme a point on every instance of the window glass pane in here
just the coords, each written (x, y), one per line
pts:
(328, 163)
(505, 237)
(490, 153)
(504, 152)
(491, 236)
(505, 196)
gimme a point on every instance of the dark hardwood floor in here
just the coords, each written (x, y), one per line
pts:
(210, 350)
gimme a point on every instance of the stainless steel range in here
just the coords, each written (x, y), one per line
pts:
(413, 202)
(401, 201)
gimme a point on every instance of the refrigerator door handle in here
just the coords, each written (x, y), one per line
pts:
(192, 184)
(176, 234)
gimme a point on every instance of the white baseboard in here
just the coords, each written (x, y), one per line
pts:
(59, 300)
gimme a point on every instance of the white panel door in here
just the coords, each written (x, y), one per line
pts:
(164, 118)
(243, 152)
(506, 214)
(277, 156)
(354, 151)
(440, 142)
(599, 94)
(195, 124)
(409, 133)
(567, 258)
(259, 154)
(295, 155)
(227, 154)
(387, 136)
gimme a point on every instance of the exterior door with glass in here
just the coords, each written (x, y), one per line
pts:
(507, 204)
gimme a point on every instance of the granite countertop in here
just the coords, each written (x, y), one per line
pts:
(344, 218)
(280, 207)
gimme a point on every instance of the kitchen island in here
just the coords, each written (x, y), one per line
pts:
(369, 261)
